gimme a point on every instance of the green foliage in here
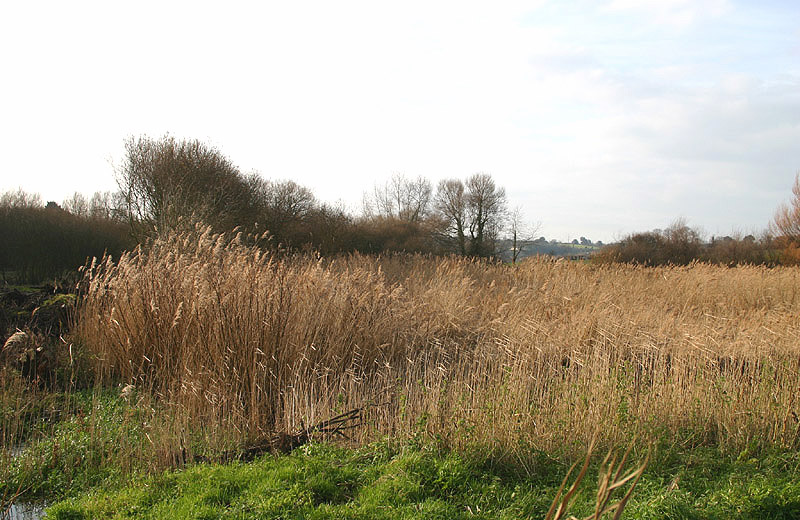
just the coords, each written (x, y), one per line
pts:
(81, 462)
(398, 482)
(92, 443)
(60, 300)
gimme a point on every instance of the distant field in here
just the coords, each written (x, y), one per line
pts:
(534, 248)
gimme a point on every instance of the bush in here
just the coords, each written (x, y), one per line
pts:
(677, 245)
(682, 245)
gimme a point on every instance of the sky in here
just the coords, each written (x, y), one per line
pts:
(599, 118)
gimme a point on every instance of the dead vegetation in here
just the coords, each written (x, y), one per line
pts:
(612, 481)
(243, 345)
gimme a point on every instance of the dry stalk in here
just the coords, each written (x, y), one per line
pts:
(237, 344)
(611, 479)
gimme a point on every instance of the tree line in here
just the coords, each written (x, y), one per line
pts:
(680, 244)
(46, 241)
(166, 184)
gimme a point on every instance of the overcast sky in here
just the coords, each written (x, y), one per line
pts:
(598, 117)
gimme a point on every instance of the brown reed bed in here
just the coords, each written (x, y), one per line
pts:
(236, 345)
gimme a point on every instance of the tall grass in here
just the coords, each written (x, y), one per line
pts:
(236, 344)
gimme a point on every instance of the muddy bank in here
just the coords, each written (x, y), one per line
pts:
(33, 321)
(42, 309)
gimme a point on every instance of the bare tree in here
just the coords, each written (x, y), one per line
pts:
(451, 203)
(119, 206)
(167, 181)
(521, 232)
(77, 205)
(474, 213)
(283, 205)
(20, 199)
(45, 241)
(101, 205)
(487, 211)
(787, 218)
(291, 200)
(401, 198)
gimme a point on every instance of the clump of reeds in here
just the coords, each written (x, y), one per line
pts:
(239, 344)
(612, 482)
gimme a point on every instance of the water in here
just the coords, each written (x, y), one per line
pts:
(23, 510)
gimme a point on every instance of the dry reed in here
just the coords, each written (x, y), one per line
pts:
(238, 344)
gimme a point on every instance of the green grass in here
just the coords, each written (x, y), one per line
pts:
(83, 440)
(321, 481)
(86, 465)
(60, 299)
(397, 482)
(25, 289)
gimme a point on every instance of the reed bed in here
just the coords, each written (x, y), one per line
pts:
(236, 344)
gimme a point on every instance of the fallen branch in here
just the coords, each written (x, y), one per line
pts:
(283, 442)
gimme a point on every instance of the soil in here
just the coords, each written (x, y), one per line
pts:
(43, 310)
(42, 313)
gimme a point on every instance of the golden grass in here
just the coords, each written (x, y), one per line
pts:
(239, 344)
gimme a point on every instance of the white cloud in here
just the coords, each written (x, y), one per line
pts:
(677, 13)
(597, 119)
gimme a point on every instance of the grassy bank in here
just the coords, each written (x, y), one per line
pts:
(380, 481)
(86, 464)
